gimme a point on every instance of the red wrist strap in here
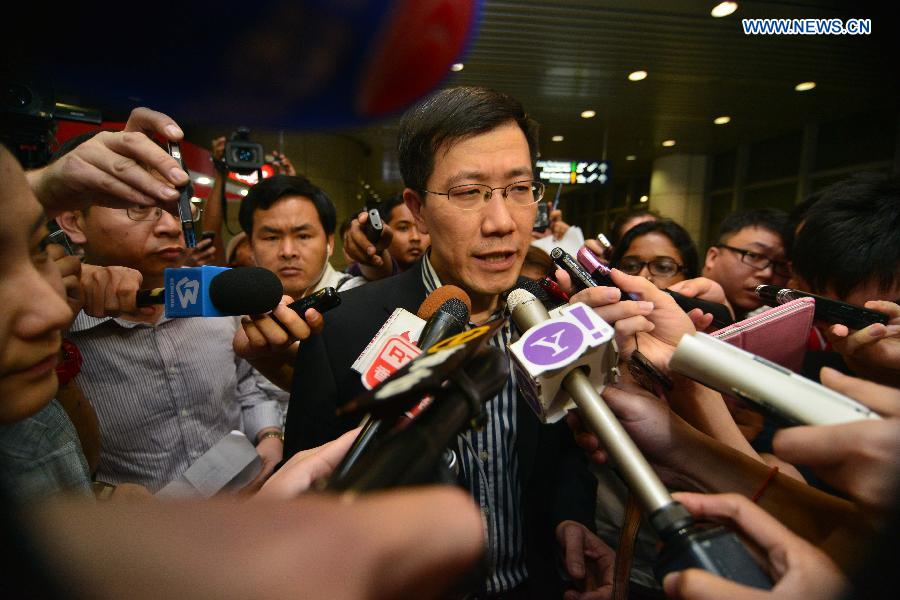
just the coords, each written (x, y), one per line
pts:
(70, 365)
(765, 484)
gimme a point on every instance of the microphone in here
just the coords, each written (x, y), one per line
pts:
(775, 389)
(209, 291)
(411, 455)
(827, 309)
(551, 349)
(446, 311)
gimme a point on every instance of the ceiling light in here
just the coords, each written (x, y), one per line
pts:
(669, 143)
(723, 120)
(644, 198)
(457, 67)
(244, 192)
(631, 157)
(557, 138)
(588, 114)
(805, 86)
(196, 200)
(203, 180)
(723, 9)
(637, 75)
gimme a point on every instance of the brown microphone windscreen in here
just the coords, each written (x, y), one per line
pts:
(436, 298)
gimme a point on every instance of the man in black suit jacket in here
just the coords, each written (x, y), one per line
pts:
(470, 152)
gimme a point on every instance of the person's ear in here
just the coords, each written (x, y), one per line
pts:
(329, 245)
(72, 223)
(711, 255)
(414, 203)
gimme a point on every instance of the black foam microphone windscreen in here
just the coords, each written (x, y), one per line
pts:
(246, 291)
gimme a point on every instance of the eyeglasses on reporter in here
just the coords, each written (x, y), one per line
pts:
(472, 196)
(153, 213)
(759, 261)
(660, 267)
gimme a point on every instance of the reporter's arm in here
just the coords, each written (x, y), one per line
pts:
(401, 544)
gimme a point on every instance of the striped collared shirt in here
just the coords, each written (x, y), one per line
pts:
(164, 393)
(490, 467)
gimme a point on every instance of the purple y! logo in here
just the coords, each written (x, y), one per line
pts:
(552, 343)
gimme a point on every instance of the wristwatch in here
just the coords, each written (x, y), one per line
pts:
(270, 434)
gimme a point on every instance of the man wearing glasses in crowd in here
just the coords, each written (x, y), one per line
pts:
(165, 390)
(466, 155)
(750, 251)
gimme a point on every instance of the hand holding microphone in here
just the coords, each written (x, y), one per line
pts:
(556, 344)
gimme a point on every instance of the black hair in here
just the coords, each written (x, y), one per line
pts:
(451, 115)
(851, 235)
(615, 230)
(772, 219)
(73, 142)
(269, 191)
(387, 207)
(679, 236)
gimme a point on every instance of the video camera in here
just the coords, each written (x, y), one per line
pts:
(243, 156)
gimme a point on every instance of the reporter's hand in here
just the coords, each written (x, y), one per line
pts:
(861, 458)
(70, 270)
(664, 438)
(655, 324)
(800, 570)
(270, 451)
(558, 227)
(302, 469)
(260, 336)
(703, 288)
(283, 164)
(589, 560)
(201, 254)
(874, 351)
(112, 291)
(111, 169)
(374, 259)
(217, 147)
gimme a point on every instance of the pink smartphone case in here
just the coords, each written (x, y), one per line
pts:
(778, 334)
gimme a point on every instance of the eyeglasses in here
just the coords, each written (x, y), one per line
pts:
(153, 213)
(472, 196)
(661, 267)
(760, 261)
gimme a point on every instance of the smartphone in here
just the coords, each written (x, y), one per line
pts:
(828, 310)
(374, 226)
(542, 218)
(185, 213)
(58, 236)
(323, 300)
(208, 235)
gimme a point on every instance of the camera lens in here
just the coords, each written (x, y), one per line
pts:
(17, 96)
(246, 155)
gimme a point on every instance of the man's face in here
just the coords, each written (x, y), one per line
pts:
(289, 240)
(739, 279)
(480, 250)
(111, 237)
(31, 293)
(408, 243)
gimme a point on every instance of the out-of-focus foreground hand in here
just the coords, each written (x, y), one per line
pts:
(112, 291)
(114, 168)
(412, 543)
(302, 469)
(799, 569)
(861, 458)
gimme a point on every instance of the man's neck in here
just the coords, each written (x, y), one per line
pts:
(483, 307)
